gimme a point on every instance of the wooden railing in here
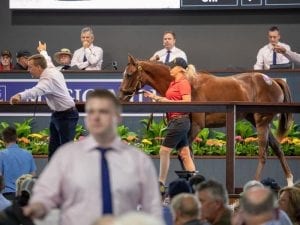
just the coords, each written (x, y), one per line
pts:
(230, 108)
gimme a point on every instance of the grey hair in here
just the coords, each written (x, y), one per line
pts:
(87, 29)
(216, 190)
(187, 204)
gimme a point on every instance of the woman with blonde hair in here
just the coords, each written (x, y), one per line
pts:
(178, 122)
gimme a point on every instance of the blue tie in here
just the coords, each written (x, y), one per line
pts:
(106, 192)
(84, 58)
(274, 58)
(168, 56)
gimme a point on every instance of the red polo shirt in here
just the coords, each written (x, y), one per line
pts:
(176, 90)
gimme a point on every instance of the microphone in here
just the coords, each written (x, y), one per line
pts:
(114, 65)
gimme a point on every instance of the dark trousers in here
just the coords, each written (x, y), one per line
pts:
(62, 129)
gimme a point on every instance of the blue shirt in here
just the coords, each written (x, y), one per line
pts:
(14, 162)
(4, 203)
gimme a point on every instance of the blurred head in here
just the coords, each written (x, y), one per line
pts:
(213, 197)
(195, 180)
(289, 201)
(87, 35)
(185, 207)
(273, 35)
(63, 57)
(24, 186)
(103, 113)
(178, 186)
(169, 40)
(9, 135)
(6, 58)
(22, 57)
(257, 204)
(36, 65)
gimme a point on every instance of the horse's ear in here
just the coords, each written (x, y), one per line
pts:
(131, 59)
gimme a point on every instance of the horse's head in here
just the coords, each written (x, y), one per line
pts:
(132, 79)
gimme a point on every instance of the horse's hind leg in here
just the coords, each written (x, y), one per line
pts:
(278, 152)
(262, 127)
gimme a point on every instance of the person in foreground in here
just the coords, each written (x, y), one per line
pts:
(52, 86)
(97, 175)
(178, 122)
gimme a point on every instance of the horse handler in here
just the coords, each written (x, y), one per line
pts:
(178, 122)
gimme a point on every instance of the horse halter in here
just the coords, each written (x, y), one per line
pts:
(133, 91)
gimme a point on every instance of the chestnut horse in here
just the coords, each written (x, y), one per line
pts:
(244, 87)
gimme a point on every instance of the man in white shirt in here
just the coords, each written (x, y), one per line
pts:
(293, 56)
(98, 175)
(169, 52)
(89, 56)
(52, 86)
(267, 56)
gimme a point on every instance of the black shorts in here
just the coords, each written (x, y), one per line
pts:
(177, 133)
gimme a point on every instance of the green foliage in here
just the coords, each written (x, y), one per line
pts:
(244, 129)
(24, 129)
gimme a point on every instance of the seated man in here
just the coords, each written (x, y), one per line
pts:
(169, 52)
(6, 61)
(267, 55)
(63, 58)
(14, 162)
(89, 56)
(22, 60)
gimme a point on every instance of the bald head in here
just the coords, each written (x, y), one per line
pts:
(257, 200)
(186, 206)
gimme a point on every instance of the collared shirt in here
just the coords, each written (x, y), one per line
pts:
(52, 86)
(94, 56)
(176, 91)
(175, 53)
(14, 162)
(265, 57)
(71, 181)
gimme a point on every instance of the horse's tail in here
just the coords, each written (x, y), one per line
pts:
(285, 119)
(191, 72)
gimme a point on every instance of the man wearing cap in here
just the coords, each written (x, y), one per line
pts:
(63, 58)
(170, 51)
(6, 61)
(89, 56)
(22, 60)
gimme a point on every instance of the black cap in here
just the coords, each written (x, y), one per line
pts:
(23, 53)
(178, 62)
(5, 52)
(271, 183)
(178, 186)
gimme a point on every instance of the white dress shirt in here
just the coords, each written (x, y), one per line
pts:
(265, 57)
(94, 56)
(175, 53)
(72, 181)
(52, 86)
